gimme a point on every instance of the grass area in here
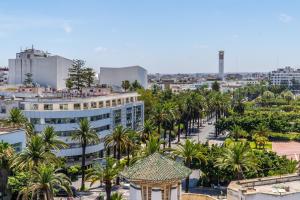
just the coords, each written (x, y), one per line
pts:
(268, 145)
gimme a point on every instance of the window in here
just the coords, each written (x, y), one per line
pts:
(85, 106)
(35, 120)
(93, 104)
(63, 106)
(48, 107)
(100, 104)
(34, 107)
(114, 102)
(119, 101)
(107, 103)
(77, 106)
(117, 117)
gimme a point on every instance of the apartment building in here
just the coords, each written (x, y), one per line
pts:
(64, 114)
(287, 76)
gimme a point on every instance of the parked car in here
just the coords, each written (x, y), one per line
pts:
(209, 123)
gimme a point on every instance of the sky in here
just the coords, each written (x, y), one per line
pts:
(164, 36)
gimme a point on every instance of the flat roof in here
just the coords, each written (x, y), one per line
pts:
(274, 185)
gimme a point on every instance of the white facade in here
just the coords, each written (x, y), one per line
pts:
(285, 76)
(115, 76)
(47, 70)
(104, 113)
(14, 137)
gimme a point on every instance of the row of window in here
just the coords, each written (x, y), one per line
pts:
(68, 120)
(79, 106)
(69, 133)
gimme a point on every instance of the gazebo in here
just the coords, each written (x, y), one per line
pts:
(155, 177)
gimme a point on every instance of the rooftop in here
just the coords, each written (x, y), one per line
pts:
(156, 168)
(275, 185)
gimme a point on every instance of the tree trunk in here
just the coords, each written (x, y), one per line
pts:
(165, 136)
(187, 180)
(170, 133)
(128, 155)
(118, 158)
(82, 188)
(178, 133)
(108, 189)
(115, 151)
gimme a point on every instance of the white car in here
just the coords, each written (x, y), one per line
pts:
(209, 123)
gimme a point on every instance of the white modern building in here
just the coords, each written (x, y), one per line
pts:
(285, 76)
(47, 70)
(285, 187)
(115, 76)
(13, 136)
(64, 114)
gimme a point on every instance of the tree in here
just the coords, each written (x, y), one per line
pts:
(76, 75)
(118, 139)
(86, 135)
(238, 158)
(125, 85)
(237, 132)
(29, 130)
(288, 96)
(147, 130)
(33, 155)
(89, 76)
(189, 151)
(106, 174)
(117, 196)
(28, 79)
(69, 84)
(215, 86)
(51, 140)
(16, 117)
(6, 154)
(135, 86)
(44, 181)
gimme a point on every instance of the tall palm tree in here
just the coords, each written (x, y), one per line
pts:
(33, 155)
(51, 140)
(159, 116)
(29, 130)
(86, 135)
(189, 151)
(44, 181)
(16, 117)
(118, 139)
(133, 144)
(6, 153)
(237, 132)
(147, 130)
(238, 158)
(106, 173)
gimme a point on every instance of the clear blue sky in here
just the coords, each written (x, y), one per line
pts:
(166, 36)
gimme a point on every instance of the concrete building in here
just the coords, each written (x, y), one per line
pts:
(47, 70)
(64, 114)
(115, 76)
(287, 76)
(285, 187)
(221, 65)
(3, 75)
(13, 136)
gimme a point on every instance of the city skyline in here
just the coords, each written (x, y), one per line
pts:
(163, 37)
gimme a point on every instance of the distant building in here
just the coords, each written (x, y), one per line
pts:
(285, 187)
(221, 65)
(115, 76)
(3, 75)
(47, 70)
(287, 76)
(13, 136)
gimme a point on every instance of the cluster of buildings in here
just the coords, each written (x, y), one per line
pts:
(48, 103)
(288, 76)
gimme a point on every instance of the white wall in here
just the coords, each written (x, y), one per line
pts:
(115, 76)
(234, 195)
(14, 137)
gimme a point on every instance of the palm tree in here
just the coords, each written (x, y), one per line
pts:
(117, 196)
(237, 132)
(105, 173)
(118, 139)
(132, 145)
(44, 181)
(16, 117)
(33, 155)
(159, 116)
(238, 158)
(147, 130)
(189, 151)
(29, 130)
(51, 140)
(86, 135)
(6, 153)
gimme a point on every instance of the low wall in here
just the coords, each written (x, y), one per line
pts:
(191, 196)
